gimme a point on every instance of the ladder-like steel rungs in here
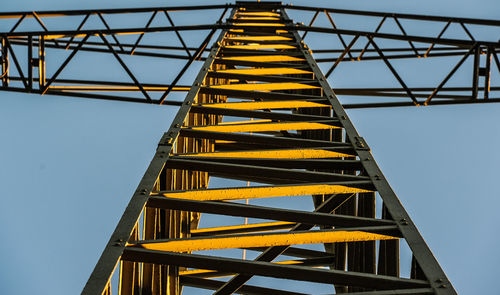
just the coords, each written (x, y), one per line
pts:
(262, 121)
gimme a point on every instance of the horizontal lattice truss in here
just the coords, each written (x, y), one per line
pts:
(262, 124)
(37, 48)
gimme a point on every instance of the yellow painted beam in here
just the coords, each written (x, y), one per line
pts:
(241, 193)
(260, 38)
(265, 71)
(264, 127)
(264, 58)
(117, 88)
(250, 24)
(257, 226)
(265, 86)
(204, 272)
(40, 14)
(261, 46)
(287, 104)
(51, 37)
(250, 18)
(257, 13)
(273, 154)
(245, 122)
(262, 240)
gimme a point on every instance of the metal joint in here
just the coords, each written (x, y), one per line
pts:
(360, 144)
(165, 140)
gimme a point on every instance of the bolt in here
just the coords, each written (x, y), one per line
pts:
(177, 125)
(404, 221)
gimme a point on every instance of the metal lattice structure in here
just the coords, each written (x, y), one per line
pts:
(262, 122)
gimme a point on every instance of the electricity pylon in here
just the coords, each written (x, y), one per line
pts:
(262, 121)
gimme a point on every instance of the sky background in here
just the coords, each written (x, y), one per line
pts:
(68, 167)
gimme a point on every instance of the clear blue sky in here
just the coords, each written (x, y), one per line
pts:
(69, 166)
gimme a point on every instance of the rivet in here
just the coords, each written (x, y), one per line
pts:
(404, 221)
(177, 125)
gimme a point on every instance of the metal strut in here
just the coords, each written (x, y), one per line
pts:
(261, 114)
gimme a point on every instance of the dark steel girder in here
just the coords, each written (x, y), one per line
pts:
(271, 269)
(68, 33)
(253, 211)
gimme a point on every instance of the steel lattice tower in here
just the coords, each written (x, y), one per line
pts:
(261, 116)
